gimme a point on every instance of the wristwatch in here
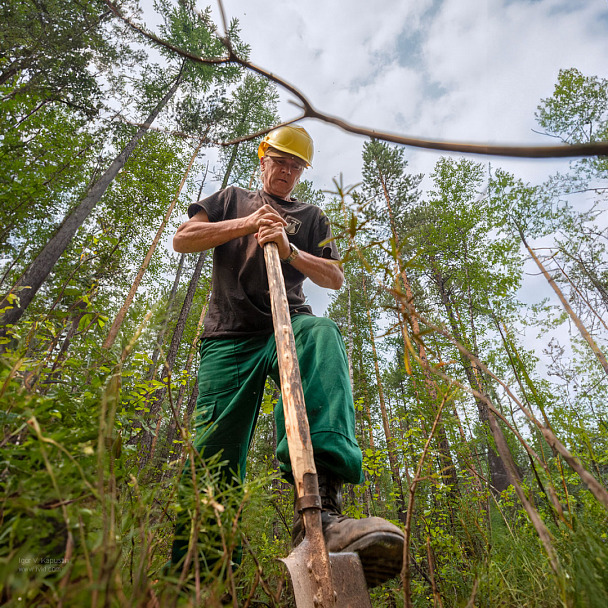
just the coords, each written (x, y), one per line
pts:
(295, 252)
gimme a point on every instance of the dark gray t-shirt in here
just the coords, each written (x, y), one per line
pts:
(240, 299)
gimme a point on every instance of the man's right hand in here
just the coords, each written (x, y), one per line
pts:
(264, 216)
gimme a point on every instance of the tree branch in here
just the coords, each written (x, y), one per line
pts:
(308, 111)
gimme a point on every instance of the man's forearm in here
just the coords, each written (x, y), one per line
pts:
(202, 235)
(323, 272)
(199, 234)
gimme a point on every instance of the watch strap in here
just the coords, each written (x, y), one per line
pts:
(295, 252)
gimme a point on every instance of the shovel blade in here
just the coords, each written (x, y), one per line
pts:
(350, 588)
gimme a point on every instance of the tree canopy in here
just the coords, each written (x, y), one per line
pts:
(474, 315)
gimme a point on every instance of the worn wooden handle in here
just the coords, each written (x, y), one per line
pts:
(298, 436)
(296, 421)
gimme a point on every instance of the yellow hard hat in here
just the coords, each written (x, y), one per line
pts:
(290, 139)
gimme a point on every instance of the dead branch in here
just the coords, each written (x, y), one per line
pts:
(577, 321)
(308, 111)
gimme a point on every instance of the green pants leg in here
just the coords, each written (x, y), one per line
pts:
(328, 397)
(231, 380)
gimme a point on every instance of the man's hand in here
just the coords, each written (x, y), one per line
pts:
(264, 216)
(272, 231)
(323, 272)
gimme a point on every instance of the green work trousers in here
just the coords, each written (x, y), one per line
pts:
(231, 381)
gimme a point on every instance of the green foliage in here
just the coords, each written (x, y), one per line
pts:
(577, 111)
(251, 108)
(49, 47)
(458, 254)
(432, 300)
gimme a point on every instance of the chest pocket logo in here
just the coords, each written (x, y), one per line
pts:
(293, 225)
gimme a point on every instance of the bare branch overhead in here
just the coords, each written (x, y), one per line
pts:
(308, 111)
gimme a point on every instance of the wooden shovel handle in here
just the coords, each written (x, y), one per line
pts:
(298, 434)
(296, 421)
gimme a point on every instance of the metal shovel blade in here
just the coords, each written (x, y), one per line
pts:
(347, 575)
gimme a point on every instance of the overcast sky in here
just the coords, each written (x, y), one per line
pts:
(471, 70)
(462, 70)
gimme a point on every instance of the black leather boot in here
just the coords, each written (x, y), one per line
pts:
(378, 542)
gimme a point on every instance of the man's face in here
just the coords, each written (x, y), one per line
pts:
(280, 174)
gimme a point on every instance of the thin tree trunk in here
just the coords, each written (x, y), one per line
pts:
(182, 389)
(161, 334)
(368, 413)
(230, 166)
(470, 464)
(403, 430)
(368, 418)
(185, 422)
(499, 474)
(448, 469)
(385, 421)
(147, 437)
(120, 317)
(39, 270)
(351, 343)
(63, 351)
(279, 487)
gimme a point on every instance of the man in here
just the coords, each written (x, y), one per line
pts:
(238, 350)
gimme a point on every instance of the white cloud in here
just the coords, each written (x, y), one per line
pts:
(475, 71)
(469, 71)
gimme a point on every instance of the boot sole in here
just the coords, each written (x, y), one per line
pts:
(381, 555)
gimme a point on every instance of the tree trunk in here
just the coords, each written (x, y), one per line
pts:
(120, 317)
(34, 277)
(390, 447)
(161, 334)
(499, 474)
(350, 341)
(447, 468)
(146, 438)
(171, 431)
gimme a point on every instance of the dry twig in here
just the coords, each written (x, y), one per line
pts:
(308, 111)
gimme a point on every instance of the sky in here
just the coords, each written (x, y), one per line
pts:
(468, 71)
(472, 71)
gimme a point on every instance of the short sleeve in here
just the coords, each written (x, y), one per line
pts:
(324, 243)
(214, 205)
